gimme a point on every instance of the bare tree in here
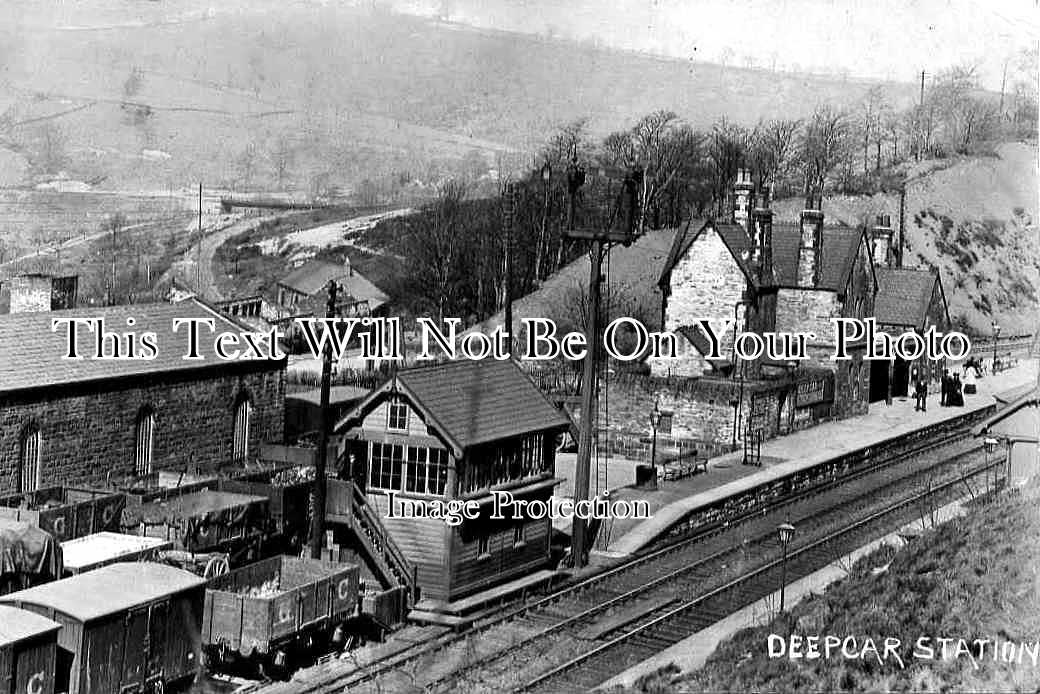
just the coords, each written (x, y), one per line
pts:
(727, 147)
(822, 146)
(771, 146)
(436, 245)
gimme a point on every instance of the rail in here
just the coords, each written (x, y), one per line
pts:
(732, 586)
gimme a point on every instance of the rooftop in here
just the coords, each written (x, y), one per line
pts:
(903, 296)
(312, 277)
(32, 353)
(108, 590)
(472, 402)
(18, 625)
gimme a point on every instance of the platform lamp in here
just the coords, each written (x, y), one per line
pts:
(655, 421)
(996, 337)
(784, 533)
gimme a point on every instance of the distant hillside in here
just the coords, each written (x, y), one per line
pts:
(975, 220)
(301, 95)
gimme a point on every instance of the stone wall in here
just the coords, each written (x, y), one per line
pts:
(89, 433)
(827, 472)
(706, 284)
(809, 310)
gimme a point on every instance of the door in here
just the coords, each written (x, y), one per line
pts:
(135, 651)
(158, 623)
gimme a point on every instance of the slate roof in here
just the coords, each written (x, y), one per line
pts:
(312, 277)
(470, 402)
(31, 354)
(903, 296)
(840, 244)
(108, 590)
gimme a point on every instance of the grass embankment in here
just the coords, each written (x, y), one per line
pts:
(975, 577)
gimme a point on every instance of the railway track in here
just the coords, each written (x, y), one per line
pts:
(628, 646)
(664, 574)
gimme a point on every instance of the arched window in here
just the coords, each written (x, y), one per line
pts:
(145, 437)
(240, 445)
(29, 463)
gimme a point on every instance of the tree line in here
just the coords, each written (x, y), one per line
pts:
(455, 248)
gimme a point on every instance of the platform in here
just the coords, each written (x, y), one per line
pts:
(781, 456)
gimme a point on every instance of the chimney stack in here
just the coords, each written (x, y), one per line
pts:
(742, 199)
(810, 252)
(881, 241)
(762, 240)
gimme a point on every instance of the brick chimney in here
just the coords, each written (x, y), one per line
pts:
(762, 240)
(810, 251)
(881, 241)
(743, 190)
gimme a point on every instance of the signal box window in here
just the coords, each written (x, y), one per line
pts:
(397, 415)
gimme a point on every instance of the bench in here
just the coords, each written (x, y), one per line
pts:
(684, 468)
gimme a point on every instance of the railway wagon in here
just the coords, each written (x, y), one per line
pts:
(101, 549)
(65, 512)
(267, 608)
(288, 491)
(29, 556)
(28, 647)
(204, 521)
(128, 628)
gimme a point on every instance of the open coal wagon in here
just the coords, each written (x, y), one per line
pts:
(288, 490)
(210, 530)
(277, 611)
(65, 512)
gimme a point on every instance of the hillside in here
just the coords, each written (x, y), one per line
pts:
(303, 95)
(972, 578)
(976, 220)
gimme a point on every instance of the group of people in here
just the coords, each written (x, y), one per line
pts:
(952, 388)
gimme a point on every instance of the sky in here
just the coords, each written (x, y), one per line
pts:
(873, 39)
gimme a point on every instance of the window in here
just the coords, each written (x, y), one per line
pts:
(143, 452)
(397, 415)
(483, 546)
(518, 536)
(29, 465)
(422, 470)
(240, 447)
(665, 426)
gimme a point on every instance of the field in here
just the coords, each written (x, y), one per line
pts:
(302, 96)
(974, 577)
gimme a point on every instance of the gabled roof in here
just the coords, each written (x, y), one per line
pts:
(31, 353)
(904, 296)
(840, 245)
(312, 277)
(469, 402)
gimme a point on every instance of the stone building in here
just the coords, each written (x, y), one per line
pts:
(764, 278)
(908, 299)
(78, 421)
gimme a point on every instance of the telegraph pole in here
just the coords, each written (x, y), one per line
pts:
(510, 215)
(318, 518)
(601, 240)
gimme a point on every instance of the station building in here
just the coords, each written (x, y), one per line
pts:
(764, 278)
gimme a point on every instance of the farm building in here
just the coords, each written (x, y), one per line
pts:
(458, 430)
(79, 421)
(302, 291)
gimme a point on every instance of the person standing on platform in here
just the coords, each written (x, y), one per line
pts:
(944, 385)
(956, 397)
(920, 391)
(969, 380)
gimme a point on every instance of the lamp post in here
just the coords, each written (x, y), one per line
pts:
(996, 336)
(990, 444)
(655, 421)
(784, 533)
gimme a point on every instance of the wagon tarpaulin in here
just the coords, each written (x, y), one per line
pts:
(25, 550)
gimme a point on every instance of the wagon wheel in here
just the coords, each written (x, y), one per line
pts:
(217, 566)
